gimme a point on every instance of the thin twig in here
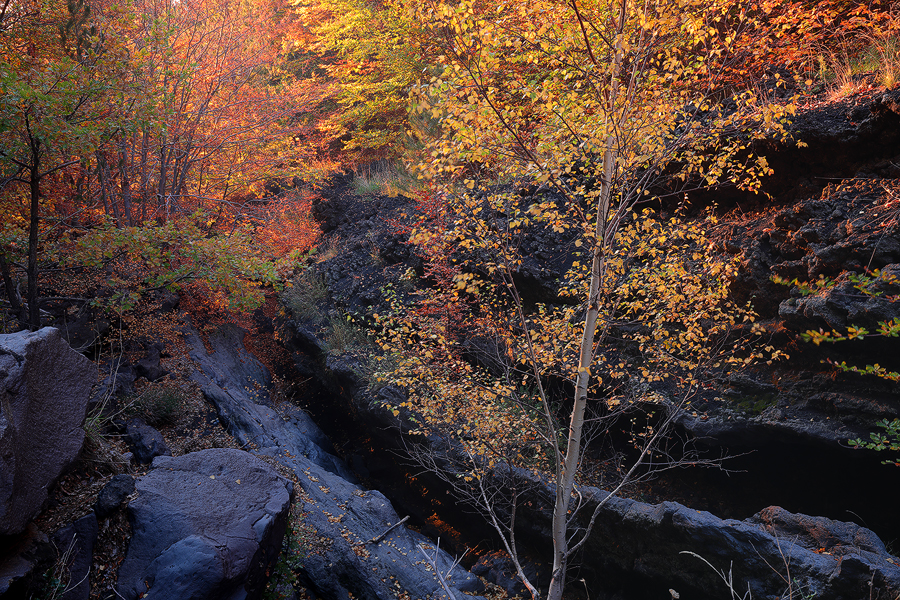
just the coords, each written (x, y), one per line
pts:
(380, 537)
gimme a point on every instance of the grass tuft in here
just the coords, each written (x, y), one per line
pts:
(158, 404)
(304, 295)
(345, 336)
(382, 178)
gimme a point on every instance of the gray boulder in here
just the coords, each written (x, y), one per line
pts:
(44, 392)
(206, 525)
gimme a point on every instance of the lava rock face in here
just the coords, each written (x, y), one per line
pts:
(206, 525)
(44, 391)
(348, 563)
(499, 569)
(849, 228)
(768, 553)
(843, 305)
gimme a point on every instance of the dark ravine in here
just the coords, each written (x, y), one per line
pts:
(344, 515)
(636, 550)
(787, 427)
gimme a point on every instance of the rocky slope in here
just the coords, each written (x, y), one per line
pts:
(209, 523)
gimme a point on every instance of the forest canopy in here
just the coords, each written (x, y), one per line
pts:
(152, 147)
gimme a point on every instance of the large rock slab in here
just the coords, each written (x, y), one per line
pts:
(648, 548)
(44, 391)
(344, 516)
(206, 525)
(237, 384)
(348, 564)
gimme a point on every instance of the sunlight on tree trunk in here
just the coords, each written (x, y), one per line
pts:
(566, 481)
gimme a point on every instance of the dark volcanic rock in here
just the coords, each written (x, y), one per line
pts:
(145, 441)
(845, 305)
(149, 367)
(44, 392)
(498, 568)
(20, 558)
(349, 518)
(75, 548)
(228, 365)
(113, 495)
(855, 136)
(206, 525)
(847, 229)
(637, 544)
(83, 329)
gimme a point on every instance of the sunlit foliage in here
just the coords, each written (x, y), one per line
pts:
(229, 269)
(598, 106)
(134, 116)
(371, 56)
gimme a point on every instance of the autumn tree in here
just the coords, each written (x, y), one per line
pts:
(218, 105)
(369, 57)
(138, 112)
(805, 37)
(604, 105)
(54, 86)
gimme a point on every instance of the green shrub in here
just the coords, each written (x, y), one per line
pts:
(889, 440)
(158, 405)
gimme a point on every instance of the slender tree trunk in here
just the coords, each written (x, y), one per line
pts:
(34, 227)
(163, 168)
(106, 187)
(102, 179)
(126, 180)
(180, 173)
(173, 188)
(80, 185)
(185, 169)
(566, 483)
(145, 172)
